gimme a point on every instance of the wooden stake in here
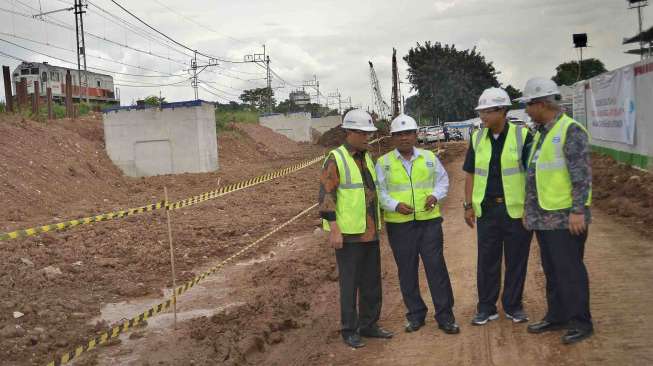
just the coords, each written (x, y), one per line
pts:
(172, 259)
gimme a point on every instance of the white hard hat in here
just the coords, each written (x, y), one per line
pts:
(493, 97)
(538, 88)
(358, 119)
(403, 123)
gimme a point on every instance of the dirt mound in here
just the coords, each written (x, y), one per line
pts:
(267, 140)
(623, 191)
(60, 170)
(333, 137)
(47, 166)
(246, 333)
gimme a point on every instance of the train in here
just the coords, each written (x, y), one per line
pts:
(100, 86)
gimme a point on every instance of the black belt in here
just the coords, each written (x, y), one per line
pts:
(494, 201)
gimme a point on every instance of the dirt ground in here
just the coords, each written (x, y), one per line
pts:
(277, 305)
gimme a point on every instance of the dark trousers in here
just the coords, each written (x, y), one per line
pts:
(412, 240)
(500, 235)
(359, 267)
(567, 282)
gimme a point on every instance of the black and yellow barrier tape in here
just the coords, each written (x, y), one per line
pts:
(242, 185)
(159, 308)
(159, 205)
(83, 221)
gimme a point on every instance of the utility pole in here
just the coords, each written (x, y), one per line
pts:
(194, 67)
(263, 58)
(269, 80)
(395, 85)
(81, 48)
(315, 84)
(639, 4)
(338, 96)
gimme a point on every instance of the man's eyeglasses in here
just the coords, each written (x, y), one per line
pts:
(489, 110)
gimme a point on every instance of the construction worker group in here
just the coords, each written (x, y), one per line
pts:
(516, 183)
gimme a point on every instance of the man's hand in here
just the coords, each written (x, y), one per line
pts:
(576, 223)
(470, 217)
(404, 209)
(431, 201)
(335, 235)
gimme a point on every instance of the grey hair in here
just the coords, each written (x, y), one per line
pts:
(552, 102)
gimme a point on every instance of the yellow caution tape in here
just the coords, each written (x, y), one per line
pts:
(159, 205)
(83, 221)
(159, 308)
(242, 185)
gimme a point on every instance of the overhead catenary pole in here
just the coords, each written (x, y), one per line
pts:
(79, 64)
(9, 99)
(264, 59)
(83, 49)
(395, 85)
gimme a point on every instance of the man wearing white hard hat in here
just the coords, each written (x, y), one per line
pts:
(412, 182)
(350, 212)
(495, 189)
(558, 196)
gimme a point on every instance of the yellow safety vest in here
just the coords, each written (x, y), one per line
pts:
(513, 176)
(551, 174)
(351, 210)
(412, 189)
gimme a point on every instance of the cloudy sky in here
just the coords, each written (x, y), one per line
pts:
(331, 39)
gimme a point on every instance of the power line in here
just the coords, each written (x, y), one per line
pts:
(164, 74)
(197, 23)
(170, 38)
(147, 85)
(70, 62)
(70, 28)
(217, 95)
(207, 83)
(134, 29)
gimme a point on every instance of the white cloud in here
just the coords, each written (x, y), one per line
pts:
(334, 39)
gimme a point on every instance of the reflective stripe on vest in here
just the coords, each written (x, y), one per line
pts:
(513, 176)
(351, 210)
(552, 180)
(411, 190)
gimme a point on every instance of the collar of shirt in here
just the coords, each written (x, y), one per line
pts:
(503, 132)
(353, 151)
(413, 157)
(549, 125)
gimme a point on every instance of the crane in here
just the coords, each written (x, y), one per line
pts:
(381, 107)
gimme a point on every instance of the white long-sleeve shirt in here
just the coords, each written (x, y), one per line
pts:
(440, 188)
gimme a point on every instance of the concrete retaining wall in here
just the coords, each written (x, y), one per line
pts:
(324, 124)
(176, 138)
(295, 126)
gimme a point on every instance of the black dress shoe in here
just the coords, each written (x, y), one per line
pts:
(353, 341)
(450, 328)
(413, 326)
(544, 326)
(376, 332)
(576, 335)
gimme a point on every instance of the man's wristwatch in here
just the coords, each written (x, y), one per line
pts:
(467, 205)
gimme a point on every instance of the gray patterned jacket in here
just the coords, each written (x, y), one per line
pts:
(577, 155)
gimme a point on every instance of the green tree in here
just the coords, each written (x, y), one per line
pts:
(287, 106)
(513, 93)
(567, 73)
(448, 81)
(257, 97)
(154, 101)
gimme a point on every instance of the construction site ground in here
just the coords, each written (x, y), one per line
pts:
(278, 304)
